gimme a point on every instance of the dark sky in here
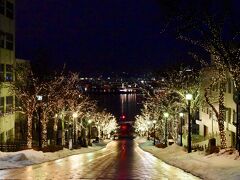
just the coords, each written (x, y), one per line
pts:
(95, 35)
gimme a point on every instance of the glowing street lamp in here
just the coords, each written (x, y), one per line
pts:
(189, 98)
(181, 123)
(166, 115)
(75, 115)
(89, 121)
(154, 135)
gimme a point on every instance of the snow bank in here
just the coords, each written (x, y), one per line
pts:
(221, 166)
(29, 157)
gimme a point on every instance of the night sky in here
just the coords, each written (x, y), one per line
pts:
(95, 35)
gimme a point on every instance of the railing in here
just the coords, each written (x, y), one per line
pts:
(12, 147)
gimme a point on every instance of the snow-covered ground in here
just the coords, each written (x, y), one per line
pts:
(29, 157)
(221, 166)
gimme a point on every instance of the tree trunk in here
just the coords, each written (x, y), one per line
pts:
(44, 130)
(219, 114)
(29, 131)
(221, 117)
(63, 132)
(175, 126)
(55, 127)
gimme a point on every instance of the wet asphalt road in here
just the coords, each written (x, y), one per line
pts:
(121, 159)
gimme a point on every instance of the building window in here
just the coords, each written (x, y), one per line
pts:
(9, 41)
(9, 10)
(2, 37)
(2, 73)
(18, 104)
(9, 72)
(2, 7)
(215, 87)
(9, 104)
(229, 86)
(10, 135)
(1, 105)
(225, 115)
(234, 89)
(1, 137)
(223, 86)
(210, 114)
(229, 115)
(234, 117)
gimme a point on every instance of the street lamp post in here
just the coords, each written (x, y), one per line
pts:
(39, 98)
(189, 98)
(148, 124)
(181, 124)
(154, 132)
(166, 115)
(55, 128)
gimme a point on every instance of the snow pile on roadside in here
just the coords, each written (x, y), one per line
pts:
(29, 157)
(223, 165)
(141, 140)
(20, 158)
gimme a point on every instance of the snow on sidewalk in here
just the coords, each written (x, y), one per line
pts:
(220, 166)
(30, 157)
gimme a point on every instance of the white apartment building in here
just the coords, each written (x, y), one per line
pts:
(208, 125)
(7, 62)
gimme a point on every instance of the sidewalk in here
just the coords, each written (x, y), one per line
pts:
(30, 157)
(221, 166)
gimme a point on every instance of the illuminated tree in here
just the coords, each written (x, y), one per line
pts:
(177, 83)
(110, 125)
(105, 122)
(142, 123)
(170, 98)
(213, 88)
(56, 99)
(217, 33)
(26, 87)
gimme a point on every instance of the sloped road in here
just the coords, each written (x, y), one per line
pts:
(121, 159)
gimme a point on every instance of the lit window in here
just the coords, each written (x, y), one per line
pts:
(2, 7)
(9, 10)
(1, 105)
(9, 41)
(9, 72)
(9, 104)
